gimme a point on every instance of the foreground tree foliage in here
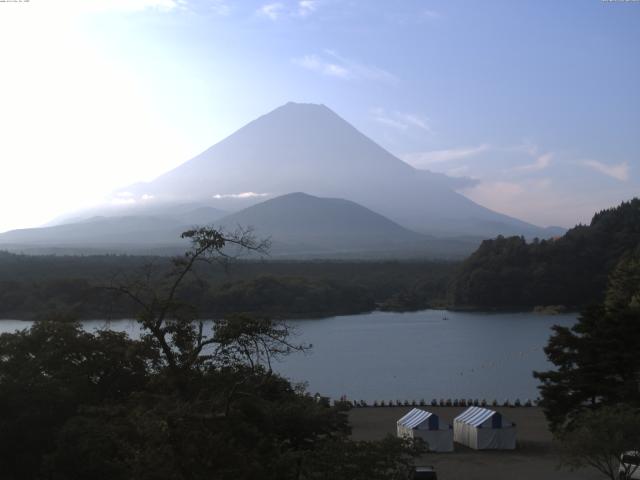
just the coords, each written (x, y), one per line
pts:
(50, 372)
(601, 438)
(180, 402)
(597, 361)
(389, 459)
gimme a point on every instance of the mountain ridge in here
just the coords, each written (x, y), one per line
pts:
(300, 225)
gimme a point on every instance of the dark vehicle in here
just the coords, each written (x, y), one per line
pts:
(630, 465)
(425, 473)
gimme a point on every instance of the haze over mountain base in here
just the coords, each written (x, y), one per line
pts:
(377, 204)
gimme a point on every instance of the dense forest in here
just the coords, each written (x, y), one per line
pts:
(571, 270)
(78, 286)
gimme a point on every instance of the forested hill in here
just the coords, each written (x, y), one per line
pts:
(33, 287)
(571, 270)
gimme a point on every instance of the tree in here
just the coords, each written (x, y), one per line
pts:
(596, 360)
(570, 270)
(624, 284)
(172, 324)
(48, 374)
(601, 438)
(180, 403)
(389, 459)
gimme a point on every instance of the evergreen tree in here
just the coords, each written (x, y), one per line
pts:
(597, 361)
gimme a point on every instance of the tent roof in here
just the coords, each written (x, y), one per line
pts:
(414, 418)
(475, 416)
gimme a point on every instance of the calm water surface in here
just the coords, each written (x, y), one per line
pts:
(428, 354)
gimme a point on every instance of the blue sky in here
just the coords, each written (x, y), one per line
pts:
(537, 102)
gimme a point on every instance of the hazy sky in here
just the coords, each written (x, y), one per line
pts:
(539, 101)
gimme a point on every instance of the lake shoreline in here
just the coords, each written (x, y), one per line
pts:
(323, 316)
(425, 355)
(536, 455)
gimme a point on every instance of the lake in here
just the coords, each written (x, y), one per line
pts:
(410, 356)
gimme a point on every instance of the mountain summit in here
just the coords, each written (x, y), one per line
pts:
(295, 148)
(308, 148)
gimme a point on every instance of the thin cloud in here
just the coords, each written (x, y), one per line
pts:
(527, 147)
(496, 192)
(415, 16)
(123, 201)
(540, 163)
(422, 159)
(415, 120)
(273, 11)
(401, 120)
(390, 122)
(277, 10)
(359, 70)
(129, 5)
(125, 198)
(217, 7)
(218, 196)
(220, 7)
(317, 64)
(619, 171)
(307, 7)
(530, 200)
(333, 64)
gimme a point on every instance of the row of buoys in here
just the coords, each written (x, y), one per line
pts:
(439, 403)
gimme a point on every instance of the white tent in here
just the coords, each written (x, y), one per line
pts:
(426, 425)
(484, 429)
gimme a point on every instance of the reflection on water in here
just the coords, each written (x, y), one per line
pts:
(429, 354)
(410, 356)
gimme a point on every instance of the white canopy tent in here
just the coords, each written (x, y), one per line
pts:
(483, 429)
(426, 425)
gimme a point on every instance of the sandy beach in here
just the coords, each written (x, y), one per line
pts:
(536, 456)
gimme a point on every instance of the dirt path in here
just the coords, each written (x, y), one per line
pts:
(536, 457)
